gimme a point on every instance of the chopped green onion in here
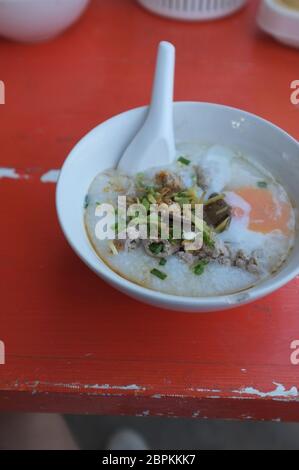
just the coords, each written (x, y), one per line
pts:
(151, 199)
(181, 200)
(183, 160)
(207, 231)
(159, 274)
(182, 197)
(162, 262)
(140, 180)
(207, 240)
(262, 184)
(194, 179)
(200, 267)
(115, 227)
(145, 203)
(156, 248)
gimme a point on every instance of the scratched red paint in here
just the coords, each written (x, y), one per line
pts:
(74, 344)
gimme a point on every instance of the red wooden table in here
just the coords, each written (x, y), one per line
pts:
(73, 343)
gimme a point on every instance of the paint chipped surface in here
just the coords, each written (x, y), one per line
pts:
(114, 387)
(50, 177)
(11, 173)
(279, 392)
(205, 390)
(77, 386)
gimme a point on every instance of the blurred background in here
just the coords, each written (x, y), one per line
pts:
(50, 431)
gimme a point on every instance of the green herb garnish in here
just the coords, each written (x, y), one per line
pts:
(208, 240)
(199, 268)
(183, 161)
(140, 180)
(140, 175)
(145, 203)
(151, 198)
(262, 184)
(162, 262)
(156, 248)
(208, 235)
(181, 200)
(159, 274)
(182, 197)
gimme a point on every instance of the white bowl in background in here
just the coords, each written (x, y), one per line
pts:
(102, 147)
(193, 10)
(38, 20)
(280, 21)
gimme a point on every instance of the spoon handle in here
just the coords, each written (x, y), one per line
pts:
(161, 108)
(154, 143)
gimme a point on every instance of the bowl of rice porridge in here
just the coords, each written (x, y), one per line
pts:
(214, 230)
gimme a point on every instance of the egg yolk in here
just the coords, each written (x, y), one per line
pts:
(267, 213)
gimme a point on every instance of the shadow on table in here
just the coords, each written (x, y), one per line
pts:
(52, 431)
(93, 432)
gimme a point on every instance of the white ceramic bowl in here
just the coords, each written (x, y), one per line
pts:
(280, 21)
(38, 20)
(196, 122)
(193, 10)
